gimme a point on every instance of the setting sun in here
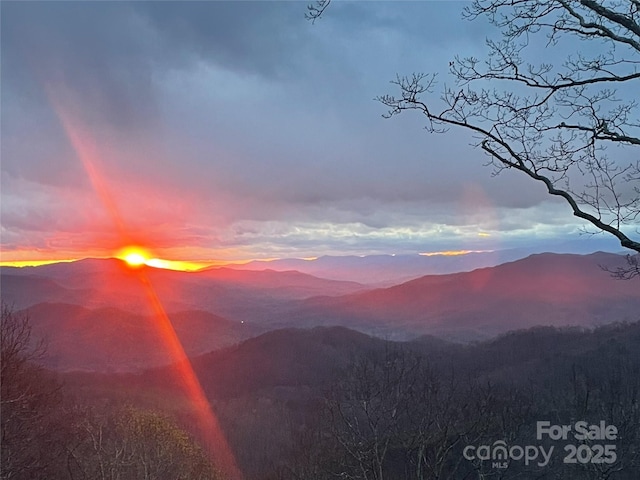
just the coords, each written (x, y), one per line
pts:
(134, 256)
(135, 259)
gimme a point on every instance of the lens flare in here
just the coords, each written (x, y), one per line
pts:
(210, 432)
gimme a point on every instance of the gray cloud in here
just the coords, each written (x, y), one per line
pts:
(98, 51)
(246, 37)
(229, 118)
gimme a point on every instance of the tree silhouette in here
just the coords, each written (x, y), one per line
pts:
(29, 400)
(572, 126)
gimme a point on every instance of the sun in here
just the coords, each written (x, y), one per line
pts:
(137, 257)
(134, 256)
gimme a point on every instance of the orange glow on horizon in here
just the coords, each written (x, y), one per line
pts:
(452, 253)
(137, 257)
(179, 264)
(34, 263)
(21, 259)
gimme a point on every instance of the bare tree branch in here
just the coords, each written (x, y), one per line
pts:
(557, 124)
(315, 10)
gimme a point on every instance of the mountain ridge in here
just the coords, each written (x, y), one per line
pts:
(543, 289)
(547, 289)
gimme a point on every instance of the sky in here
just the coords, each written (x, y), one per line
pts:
(229, 131)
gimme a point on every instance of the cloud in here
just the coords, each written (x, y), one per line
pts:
(239, 124)
(251, 38)
(99, 51)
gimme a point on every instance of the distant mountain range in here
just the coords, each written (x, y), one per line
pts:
(111, 283)
(543, 289)
(386, 270)
(96, 315)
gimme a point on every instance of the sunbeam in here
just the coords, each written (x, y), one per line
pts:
(210, 431)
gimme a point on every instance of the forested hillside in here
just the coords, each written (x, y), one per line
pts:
(329, 401)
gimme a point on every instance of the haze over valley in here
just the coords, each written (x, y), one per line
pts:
(95, 314)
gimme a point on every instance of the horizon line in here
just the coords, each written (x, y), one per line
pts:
(198, 265)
